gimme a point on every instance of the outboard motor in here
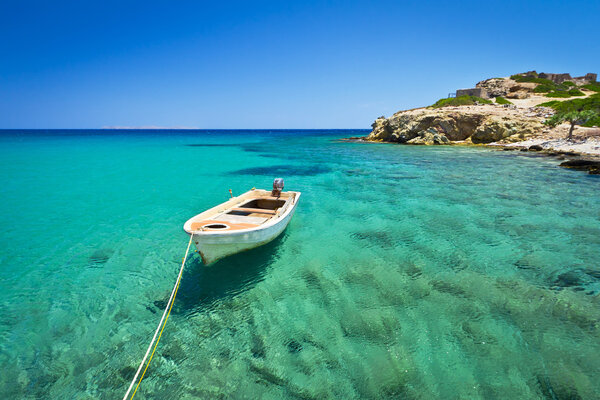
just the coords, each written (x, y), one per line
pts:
(277, 187)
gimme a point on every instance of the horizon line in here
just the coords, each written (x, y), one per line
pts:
(180, 129)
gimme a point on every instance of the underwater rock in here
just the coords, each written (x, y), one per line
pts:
(257, 347)
(478, 333)
(376, 326)
(568, 279)
(283, 170)
(160, 304)
(127, 373)
(100, 256)
(293, 346)
(174, 351)
(447, 287)
(557, 390)
(522, 263)
(357, 172)
(211, 145)
(266, 373)
(378, 238)
(593, 273)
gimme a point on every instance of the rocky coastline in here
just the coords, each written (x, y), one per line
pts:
(478, 124)
(515, 126)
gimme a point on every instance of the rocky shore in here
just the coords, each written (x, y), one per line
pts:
(478, 124)
(515, 126)
(581, 154)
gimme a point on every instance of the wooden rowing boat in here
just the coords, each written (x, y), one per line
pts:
(242, 223)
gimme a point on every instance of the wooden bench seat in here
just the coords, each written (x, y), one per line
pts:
(254, 210)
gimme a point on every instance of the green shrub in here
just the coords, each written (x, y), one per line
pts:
(502, 100)
(589, 103)
(550, 103)
(558, 94)
(569, 83)
(521, 78)
(544, 85)
(595, 86)
(573, 117)
(460, 101)
(592, 122)
(559, 87)
(544, 88)
(575, 92)
(564, 94)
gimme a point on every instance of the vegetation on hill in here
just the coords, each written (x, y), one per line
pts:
(534, 79)
(589, 103)
(557, 90)
(550, 103)
(558, 94)
(594, 86)
(567, 108)
(550, 87)
(564, 94)
(576, 92)
(502, 100)
(460, 101)
(573, 117)
(593, 122)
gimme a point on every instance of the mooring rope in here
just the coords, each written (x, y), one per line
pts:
(160, 328)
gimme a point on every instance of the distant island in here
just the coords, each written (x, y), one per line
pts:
(148, 127)
(548, 112)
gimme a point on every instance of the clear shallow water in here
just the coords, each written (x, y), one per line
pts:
(407, 272)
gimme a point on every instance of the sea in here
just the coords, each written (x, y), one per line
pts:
(407, 272)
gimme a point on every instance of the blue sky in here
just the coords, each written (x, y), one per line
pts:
(267, 64)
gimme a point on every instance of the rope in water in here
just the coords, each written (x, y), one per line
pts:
(160, 328)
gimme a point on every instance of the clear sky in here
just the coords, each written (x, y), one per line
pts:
(270, 64)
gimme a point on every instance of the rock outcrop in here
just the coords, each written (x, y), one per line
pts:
(592, 166)
(496, 86)
(471, 124)
(498, 122)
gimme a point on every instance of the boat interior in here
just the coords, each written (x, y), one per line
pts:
(249, 210)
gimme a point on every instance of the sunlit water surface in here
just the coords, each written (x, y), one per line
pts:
(407, 272)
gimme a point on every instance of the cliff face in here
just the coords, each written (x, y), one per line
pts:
(472, 124)
(508, 88)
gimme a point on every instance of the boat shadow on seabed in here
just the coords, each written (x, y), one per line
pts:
(201, 287)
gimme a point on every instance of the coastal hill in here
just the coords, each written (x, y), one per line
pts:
(497, 110)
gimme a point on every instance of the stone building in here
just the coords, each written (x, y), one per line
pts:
(560, 78)
(584, 80)
(479, 92)
(556, 78)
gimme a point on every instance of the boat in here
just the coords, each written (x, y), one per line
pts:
(243, 222)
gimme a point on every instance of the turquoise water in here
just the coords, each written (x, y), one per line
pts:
(407, 272)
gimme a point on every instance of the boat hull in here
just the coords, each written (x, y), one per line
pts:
(213, 247)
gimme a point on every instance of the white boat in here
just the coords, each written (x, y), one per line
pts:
(243, 222)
